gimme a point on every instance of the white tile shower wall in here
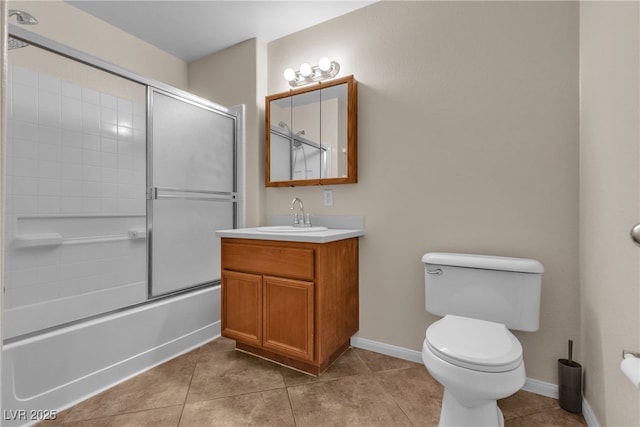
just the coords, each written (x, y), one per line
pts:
(73, 152)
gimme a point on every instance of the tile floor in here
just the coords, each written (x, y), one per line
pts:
(218, 386)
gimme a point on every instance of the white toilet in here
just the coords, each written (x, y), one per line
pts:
(470, 351)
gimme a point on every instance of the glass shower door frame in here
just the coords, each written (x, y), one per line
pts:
(155, 193)
(136, 232)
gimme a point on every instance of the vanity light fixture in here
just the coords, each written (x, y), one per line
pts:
(325, 69)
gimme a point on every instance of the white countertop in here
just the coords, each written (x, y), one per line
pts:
(340, 227)
(330, 235)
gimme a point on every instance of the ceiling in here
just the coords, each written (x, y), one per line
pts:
(193, 29)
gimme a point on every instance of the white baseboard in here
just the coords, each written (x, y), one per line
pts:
(388, 349)
(588, 414)
(531, 385)
(541, 387)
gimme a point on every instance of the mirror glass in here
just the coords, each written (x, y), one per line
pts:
(311, 135)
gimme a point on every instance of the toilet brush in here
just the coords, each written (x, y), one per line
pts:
(570, 383)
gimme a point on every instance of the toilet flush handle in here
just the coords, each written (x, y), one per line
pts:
(436, 271)
(635, 234)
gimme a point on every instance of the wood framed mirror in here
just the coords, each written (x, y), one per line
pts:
(312, 135)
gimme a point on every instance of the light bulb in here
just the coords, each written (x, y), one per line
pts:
(305, 70)
(289, 75)
(324, 64)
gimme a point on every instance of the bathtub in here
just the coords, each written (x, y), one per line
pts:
(53, 371)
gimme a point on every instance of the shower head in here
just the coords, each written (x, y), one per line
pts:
(13, 43)
(284, 125)
(23, 18)
(295, 142)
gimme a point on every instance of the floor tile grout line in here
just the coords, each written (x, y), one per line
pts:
(186, 395)
(287, 387)
(377, 379)
(293, 412)
(236, 395)
(364, 362)
(116, 415)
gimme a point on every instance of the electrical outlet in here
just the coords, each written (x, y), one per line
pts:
(328, 197)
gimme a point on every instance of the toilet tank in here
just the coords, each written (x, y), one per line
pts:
(499, 289)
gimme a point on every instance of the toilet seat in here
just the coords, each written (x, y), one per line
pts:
(474, 344)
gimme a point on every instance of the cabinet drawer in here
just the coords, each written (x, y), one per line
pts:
(281, 261)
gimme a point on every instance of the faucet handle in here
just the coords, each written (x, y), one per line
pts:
(307, 220)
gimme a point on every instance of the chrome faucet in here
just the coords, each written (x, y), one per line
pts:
(300, 219)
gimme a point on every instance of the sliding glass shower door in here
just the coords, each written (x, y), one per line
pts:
(115, 185)
(192, 191)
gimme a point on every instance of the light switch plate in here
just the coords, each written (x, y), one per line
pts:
(328, 197)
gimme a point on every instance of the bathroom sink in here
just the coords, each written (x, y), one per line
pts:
(289, 229)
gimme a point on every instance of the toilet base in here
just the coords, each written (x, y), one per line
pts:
(454, 414)
(471, 397)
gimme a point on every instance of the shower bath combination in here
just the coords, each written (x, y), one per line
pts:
(23, 18)
(110, 254)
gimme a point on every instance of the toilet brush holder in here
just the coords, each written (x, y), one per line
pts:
(570, 383)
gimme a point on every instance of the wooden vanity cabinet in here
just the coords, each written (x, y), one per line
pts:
(292, 302)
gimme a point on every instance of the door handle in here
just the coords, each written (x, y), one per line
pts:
(635, 234)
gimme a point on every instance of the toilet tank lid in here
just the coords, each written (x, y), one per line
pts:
(486, 262)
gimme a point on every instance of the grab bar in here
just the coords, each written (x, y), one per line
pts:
(36, 240)
(55, 239)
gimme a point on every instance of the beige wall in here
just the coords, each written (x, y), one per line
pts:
(234, 76)
(70, 26)
(468, 142)
(610, 205)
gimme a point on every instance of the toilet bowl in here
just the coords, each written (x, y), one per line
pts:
(471, 350)
(477, 362)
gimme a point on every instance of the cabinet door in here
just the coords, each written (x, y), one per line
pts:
(288, 317)
(242, 307)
